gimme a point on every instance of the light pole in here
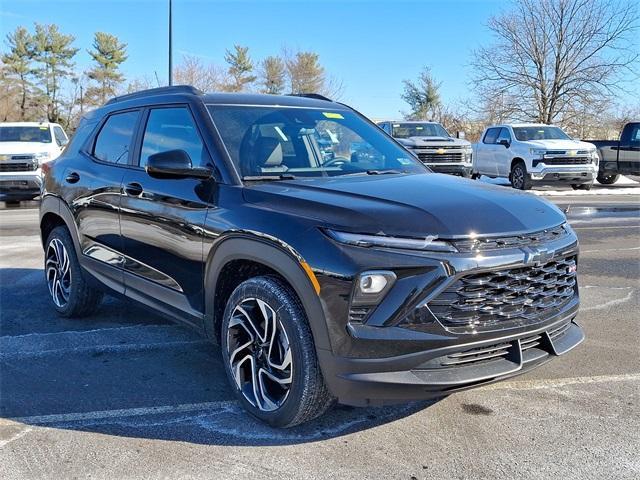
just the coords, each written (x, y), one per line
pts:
(170, 46)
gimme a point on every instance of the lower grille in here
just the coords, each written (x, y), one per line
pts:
(18, 167)
(433, 157)
(563, 161)
(477, 355)
(358, 314)
(522, 293)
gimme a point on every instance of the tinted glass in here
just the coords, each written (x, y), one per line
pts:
(491, 136)
(172, 129)
(634, 137)
(406, 130)
(113, 141)
(60, 136)
(25, 134)
(271, 141)
(539, 132)
(504, 135)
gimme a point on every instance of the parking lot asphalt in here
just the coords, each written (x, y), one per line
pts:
(126, 394)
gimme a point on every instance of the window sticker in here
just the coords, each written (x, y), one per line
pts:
(333, 115)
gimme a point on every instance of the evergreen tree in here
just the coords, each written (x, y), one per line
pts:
(240, 68)
(17, 63)
(53, 54)
(273, 75)
(422, 96)
(109, 54)
(306, 75)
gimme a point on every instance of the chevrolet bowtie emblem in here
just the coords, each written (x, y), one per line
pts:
(440, 150)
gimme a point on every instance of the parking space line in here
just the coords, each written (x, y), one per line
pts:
(561, 382)
(121, 413)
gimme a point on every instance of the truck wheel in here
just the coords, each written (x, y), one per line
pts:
(519, 177)
(72, 296)
(607, 179)
(582, 186)
(475, 176)
(269, 354)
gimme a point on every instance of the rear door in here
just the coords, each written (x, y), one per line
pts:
(162, 220)
(629, 150)
(93, 184)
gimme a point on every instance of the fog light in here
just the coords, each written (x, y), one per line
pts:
(372, 286)
(372, 283)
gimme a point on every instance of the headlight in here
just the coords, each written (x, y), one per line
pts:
(537, 151)
(594, 156)
(42, 156)
(430, 243)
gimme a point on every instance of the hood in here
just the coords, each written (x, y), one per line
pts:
(408, 205)
(560, 144)
(24, 147)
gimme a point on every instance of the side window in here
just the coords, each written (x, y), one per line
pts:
(172, 129)
(385, 127)
(58, 133)
(491, 136)
(113, 142)
(634, 135)
(504, 135)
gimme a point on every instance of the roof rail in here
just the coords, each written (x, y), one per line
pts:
(317, 96)
(157, 91)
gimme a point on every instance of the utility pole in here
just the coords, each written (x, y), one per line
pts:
(170, 46)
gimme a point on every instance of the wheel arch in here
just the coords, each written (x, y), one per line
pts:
(258, 256)
(518, 160)
(55, 212)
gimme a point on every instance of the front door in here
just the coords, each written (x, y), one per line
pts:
(162, 220)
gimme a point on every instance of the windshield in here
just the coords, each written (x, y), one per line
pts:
(524, 134)
(406, 130)
(285, 142)
(25, 134)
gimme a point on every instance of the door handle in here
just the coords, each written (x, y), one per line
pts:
(73, 177)
(134, 189)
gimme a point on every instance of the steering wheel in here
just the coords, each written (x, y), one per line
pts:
(336, 162)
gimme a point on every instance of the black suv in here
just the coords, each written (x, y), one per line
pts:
(327, 261)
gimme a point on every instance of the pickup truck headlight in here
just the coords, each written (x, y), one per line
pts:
(430, 243)
(594, 156)
(537, 151)
(467, 153)
(42, 157)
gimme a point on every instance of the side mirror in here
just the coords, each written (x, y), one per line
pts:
(174, 164)
(461, 135)
(504, 142)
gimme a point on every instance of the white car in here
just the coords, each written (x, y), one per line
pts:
(24, 147)
(527, 153)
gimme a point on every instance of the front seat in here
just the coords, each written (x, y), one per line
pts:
(265, 154)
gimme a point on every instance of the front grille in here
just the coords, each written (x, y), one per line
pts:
(358, 314)
(18, 167)
(563, 161)
(433, 157)
(521, 293)
(496, 243)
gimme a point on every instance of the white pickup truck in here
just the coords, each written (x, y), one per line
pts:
(528, 153)
(24, 147)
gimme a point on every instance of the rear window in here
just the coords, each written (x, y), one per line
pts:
(25, 134)
(114, 140)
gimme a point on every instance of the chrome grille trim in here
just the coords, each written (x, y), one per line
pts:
(524, 240)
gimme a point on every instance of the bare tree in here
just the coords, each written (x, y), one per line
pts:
(553, 56)
(206, 77)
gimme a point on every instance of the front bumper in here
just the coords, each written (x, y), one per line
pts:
(567, 175)
(20, 184)
(462, 169)
(438, 372)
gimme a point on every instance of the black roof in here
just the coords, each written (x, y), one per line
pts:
(169, 93)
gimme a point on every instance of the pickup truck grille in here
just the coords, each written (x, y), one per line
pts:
(488, 298)
(434, 157)
(18, 166)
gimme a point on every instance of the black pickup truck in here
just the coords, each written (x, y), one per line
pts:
(619, 156)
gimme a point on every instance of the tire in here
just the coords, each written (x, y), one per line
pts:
(292, 389)
(582, 186)
(71, 295)
(607, 179)
(475, 176)
(519, 177)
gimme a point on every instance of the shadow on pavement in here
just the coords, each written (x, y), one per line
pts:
(128, 372)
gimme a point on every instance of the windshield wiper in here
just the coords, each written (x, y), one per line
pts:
(259, 178)
(383, 172)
